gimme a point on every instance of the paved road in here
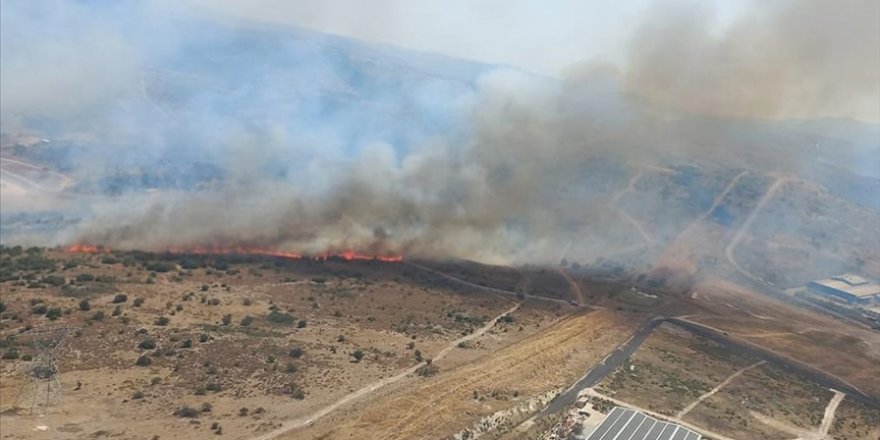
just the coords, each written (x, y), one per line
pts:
(627, 348)
(602, 369)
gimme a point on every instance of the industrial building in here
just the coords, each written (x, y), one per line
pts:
(622, 423)
(848, 287)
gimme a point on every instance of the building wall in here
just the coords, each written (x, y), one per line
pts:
(848, 297)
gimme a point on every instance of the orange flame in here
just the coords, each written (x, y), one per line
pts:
(82, 248)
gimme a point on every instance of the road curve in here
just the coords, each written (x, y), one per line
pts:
(623, 351)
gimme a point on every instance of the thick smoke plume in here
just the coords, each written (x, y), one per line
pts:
(784, 59)
(466, 160)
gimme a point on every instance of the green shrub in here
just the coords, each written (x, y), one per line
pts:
(276, 317)
(162, 321)
(98, 316)
(143, 361)
(10, 354)
(83, 277)
(53, 313)
(358, 355)
(160, 266)
(84, 305)
(186, 412)
(53, 280)
(296, 352)
(120, 298)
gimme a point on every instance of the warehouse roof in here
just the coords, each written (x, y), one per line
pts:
(851, 284)
(628, 424)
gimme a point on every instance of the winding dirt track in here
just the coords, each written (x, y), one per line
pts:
(438, 406)
(303, 421)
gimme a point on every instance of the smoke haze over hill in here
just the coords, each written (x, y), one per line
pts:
(186, 130)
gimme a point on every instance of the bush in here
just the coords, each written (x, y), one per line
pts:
(358, 355)
(276, 317)
(302, 323)
(214, 387)
(243, 412)
(84, 305)
(290, 368)
(227, 319)
(137, 395)
(117, 311)
(138, 302)
(98, 316)
(162, 321)
(53, 313)
(247, 320)
(206, 407)
(39, 309)
(296, 352)
(187, 343)
(186, 412)
(295, 391)
(85, 277)
(203, 338)
(147, 344)
(53, 280)
(10, 354)
(160, 266)
(143, 361)
(120, 298)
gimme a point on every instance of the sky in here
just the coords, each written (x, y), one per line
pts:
(546, 37)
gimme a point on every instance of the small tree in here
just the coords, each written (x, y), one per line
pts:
(296, 352)
(358, 355)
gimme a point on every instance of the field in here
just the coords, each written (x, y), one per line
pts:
(147, 344)
(244, 342)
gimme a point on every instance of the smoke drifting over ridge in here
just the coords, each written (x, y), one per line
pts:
(327, 146)
(786, 59)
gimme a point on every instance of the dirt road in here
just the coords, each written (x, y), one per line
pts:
(303, 421)
(740, 234)
(438, 406)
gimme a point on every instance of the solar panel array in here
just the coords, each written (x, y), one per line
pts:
(626, 424)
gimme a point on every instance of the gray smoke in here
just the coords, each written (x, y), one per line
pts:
(488, 166)
(782, 59)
